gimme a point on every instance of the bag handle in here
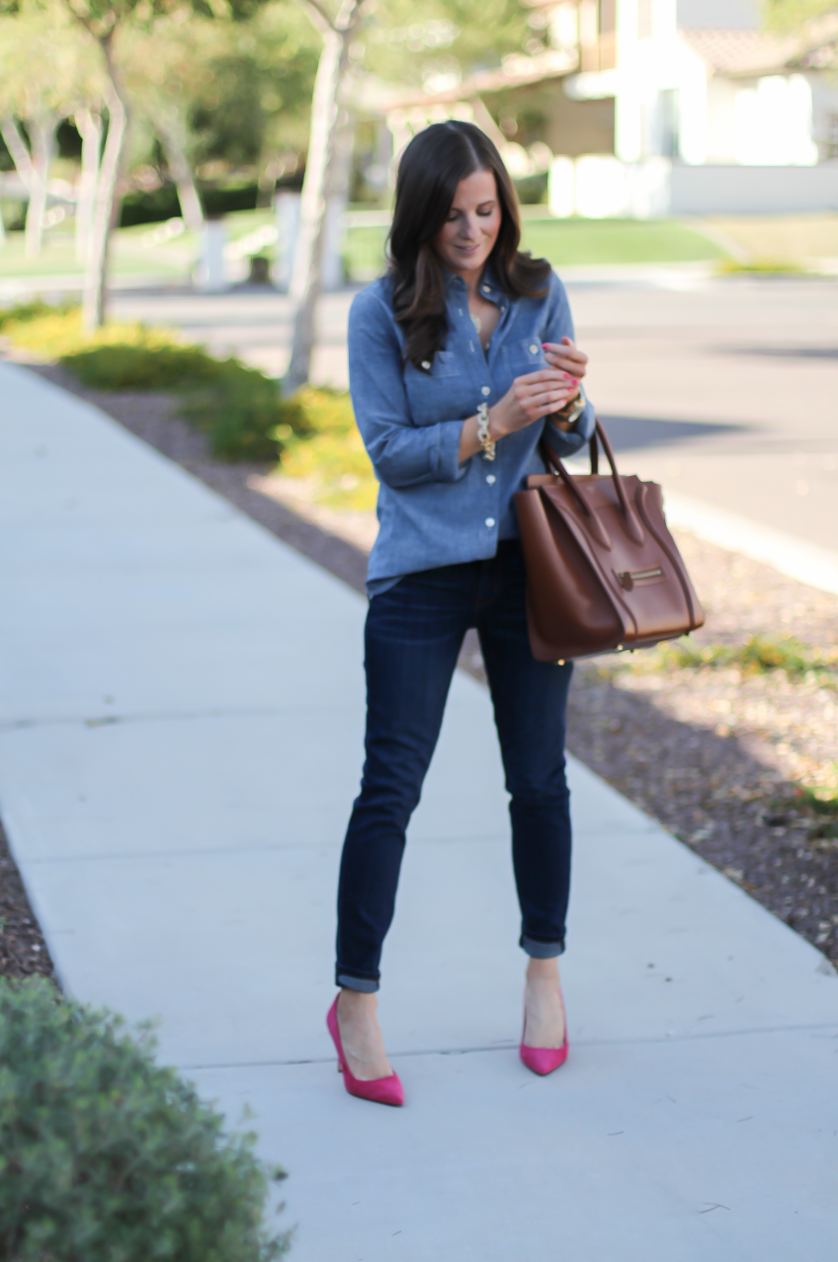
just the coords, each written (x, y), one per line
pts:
(555, 465)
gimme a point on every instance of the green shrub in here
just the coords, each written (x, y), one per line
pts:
(240, 410)
(25, 312)
(764, 267)
(142, 366)
(244, 416)
(107, 1157)
(328, 453)
(756, 656)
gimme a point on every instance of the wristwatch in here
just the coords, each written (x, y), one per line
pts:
(574, 410)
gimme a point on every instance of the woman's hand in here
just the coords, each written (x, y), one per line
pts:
(567, 357)
(530, 397)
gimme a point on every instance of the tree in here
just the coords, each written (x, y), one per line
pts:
(101, 19)
(43, 66)
(250, 103)
(338, 34)
(790, 15)
(452, 38)
(88, 120)
(161, 62)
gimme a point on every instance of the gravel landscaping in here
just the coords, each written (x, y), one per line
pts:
(737, 760)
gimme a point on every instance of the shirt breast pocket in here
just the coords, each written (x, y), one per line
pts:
(445, 365)
(524, 355)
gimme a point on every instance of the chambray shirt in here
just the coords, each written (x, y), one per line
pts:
(432, 509)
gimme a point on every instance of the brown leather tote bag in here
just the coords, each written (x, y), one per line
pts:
(603, 571)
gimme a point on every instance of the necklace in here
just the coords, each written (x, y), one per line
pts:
(478, 325)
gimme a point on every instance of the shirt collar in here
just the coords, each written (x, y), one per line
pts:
(488, 281)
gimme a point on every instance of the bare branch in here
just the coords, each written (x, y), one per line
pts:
(16, 147)
(349, 14)
(318, 16)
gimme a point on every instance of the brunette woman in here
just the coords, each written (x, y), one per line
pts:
(461, 360)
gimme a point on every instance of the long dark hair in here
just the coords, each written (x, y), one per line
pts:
(431, 168)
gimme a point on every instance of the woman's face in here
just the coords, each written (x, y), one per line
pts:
(467, 238)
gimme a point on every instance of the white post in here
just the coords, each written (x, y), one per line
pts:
(287, 209)
(561, 187)
(333, 276)
(209, 270)
(89, 124)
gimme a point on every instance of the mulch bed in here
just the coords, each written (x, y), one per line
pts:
(716, 755)
(23, 952)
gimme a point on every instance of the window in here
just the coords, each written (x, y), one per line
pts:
(832, 136)
(669, 138)
(607, 16)
(645, 19)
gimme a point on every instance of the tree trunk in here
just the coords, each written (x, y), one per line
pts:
(190, 202)
(95, 283)
(42, 134)
(306, 275)
(89, 124)
(17, 149)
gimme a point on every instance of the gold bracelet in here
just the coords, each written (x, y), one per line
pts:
(483, 432)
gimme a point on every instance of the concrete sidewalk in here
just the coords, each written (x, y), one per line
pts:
(181, 711)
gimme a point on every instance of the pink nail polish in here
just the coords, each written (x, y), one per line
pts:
(544, 345)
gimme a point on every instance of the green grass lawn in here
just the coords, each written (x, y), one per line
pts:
(786, 238)
(571, 242)
(130, 255)
(565, 242)
(588, 242)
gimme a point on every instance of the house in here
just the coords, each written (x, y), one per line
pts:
(710, 112)
(660, 107)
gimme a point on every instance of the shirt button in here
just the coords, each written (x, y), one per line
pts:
(533, 349)
(486, 390)
(486, 289)
(425, 364)
(491, 479)
(490, 521)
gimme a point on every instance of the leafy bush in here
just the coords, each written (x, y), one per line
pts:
(244, 416)
(767, 267)
(12, 319)
(142, 366)
(755, 657)
(239, 409)
(55, 331)
(328, 452)
(107, 1157)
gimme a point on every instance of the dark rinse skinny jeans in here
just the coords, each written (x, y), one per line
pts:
(414, 633)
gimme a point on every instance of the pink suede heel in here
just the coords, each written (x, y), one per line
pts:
(387, 1090)
(543, 1060)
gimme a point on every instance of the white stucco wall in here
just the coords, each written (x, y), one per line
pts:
(824, 89)
(773, 122)
(719, 14)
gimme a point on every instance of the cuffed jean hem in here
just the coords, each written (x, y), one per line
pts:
(541, 950)
(368, 985)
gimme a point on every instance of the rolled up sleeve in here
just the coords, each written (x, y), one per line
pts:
(402, 454)
(559, 325)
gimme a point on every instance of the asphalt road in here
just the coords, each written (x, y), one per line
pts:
(726, 391)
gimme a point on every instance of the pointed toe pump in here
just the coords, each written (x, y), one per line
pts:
(387, 1090)
(543, 1060)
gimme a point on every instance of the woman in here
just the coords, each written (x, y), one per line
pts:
(461, 360)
